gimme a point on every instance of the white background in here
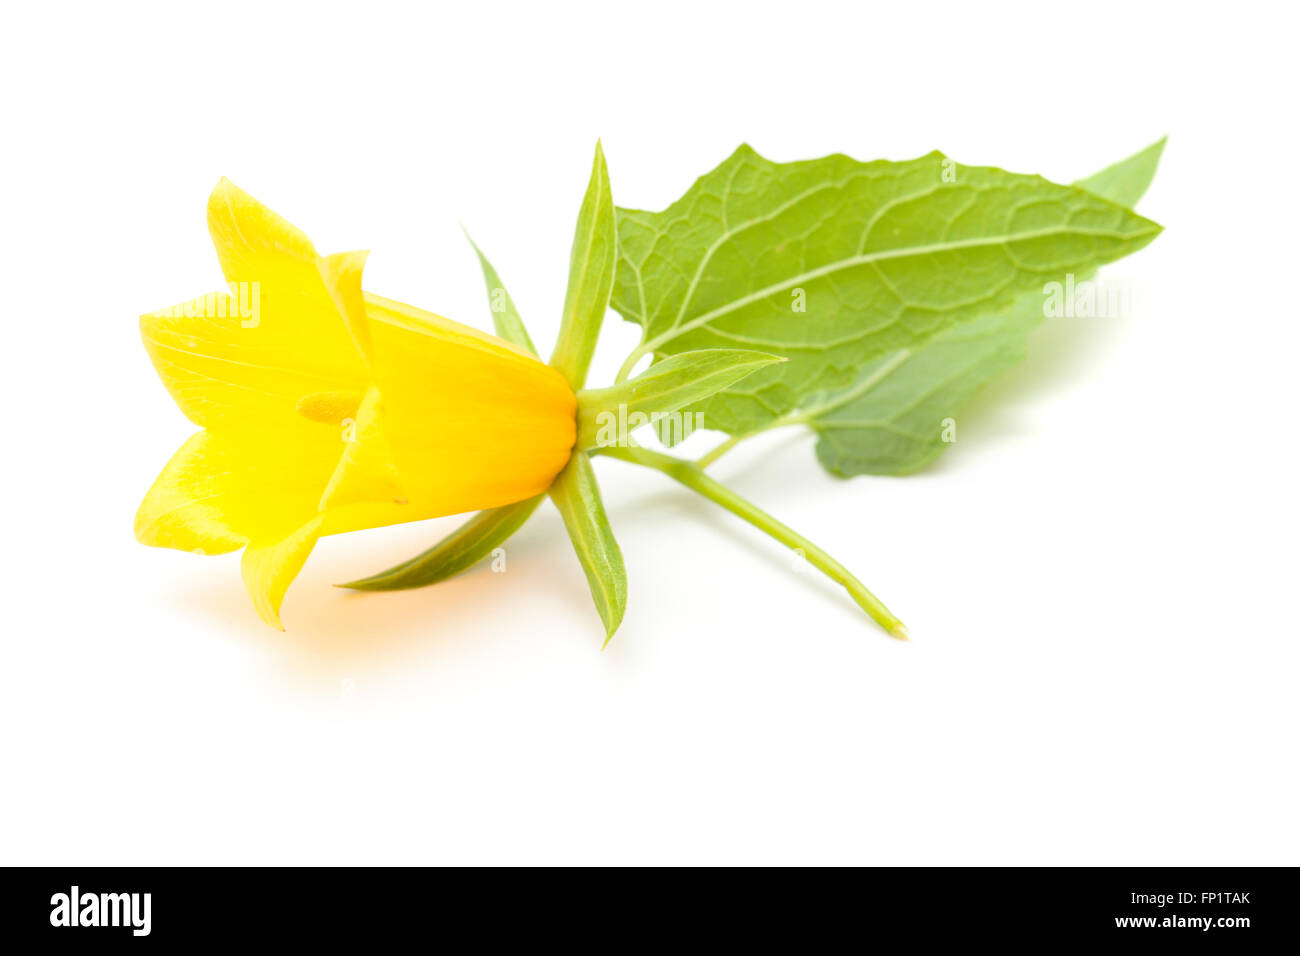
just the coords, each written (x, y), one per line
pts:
(1099, 576)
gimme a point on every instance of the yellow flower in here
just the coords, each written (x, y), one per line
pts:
(325, 409)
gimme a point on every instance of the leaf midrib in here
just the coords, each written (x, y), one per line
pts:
(830, 268)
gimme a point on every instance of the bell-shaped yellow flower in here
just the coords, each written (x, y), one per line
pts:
(325, 409)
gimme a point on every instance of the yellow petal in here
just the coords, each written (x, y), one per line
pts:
(471, 421)
(298, 319)
(222, 489)
(341, 274)
(220, 373)
(330, 410)
(270, 566)
(250, 355)
(365, 472)
(448, 330)
(253, 243)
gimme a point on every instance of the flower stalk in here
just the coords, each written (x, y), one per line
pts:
(693, 477)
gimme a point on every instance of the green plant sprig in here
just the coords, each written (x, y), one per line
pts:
(866, 301)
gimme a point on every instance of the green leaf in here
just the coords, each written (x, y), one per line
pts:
(1126, 182)
(577, 496)
(591, 276)
(668, 386)
(465, 547)
(883, 256)
(506, 320)
(892, 420)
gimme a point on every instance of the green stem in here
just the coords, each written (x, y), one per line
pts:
(807, 415)
(628, 364)
(709, 457)
(690, 475)
(793, 418)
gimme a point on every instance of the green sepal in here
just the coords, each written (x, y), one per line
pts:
(465, 547)
(577, 497)
(506, 319)
(661, 390)
(591, 277)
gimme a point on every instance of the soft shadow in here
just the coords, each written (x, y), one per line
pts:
(333, 633)
(1061, 351)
